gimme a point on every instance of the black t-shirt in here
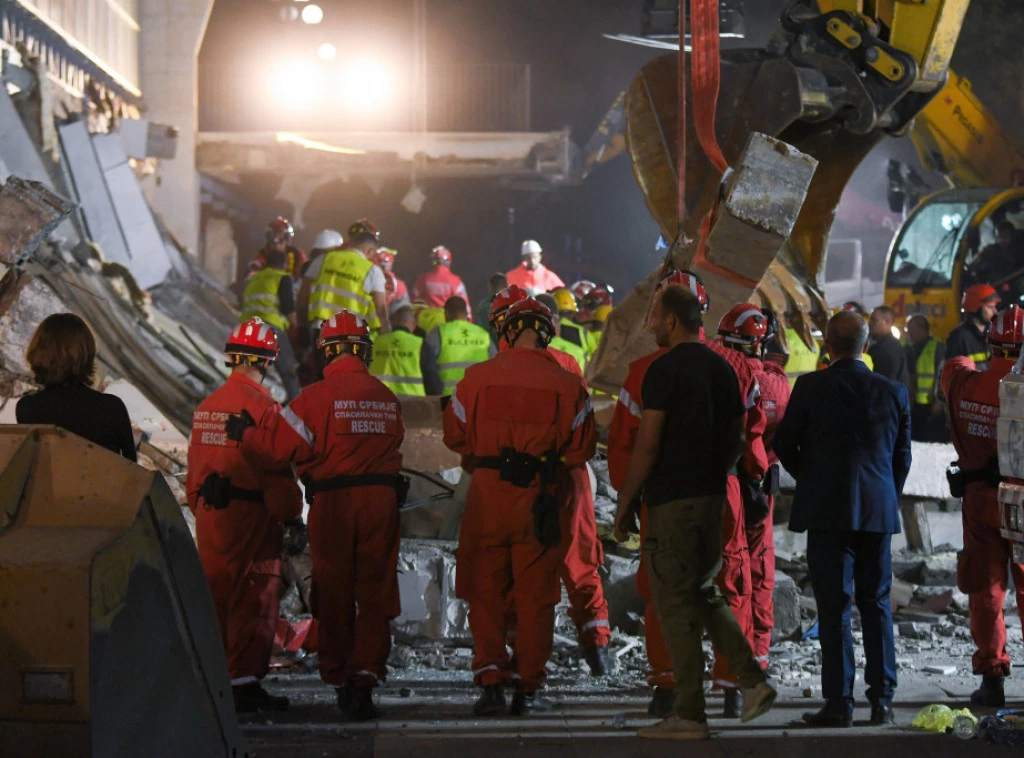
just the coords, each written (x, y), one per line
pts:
(890, 359)
(101, 419)
(286, 296)
(698, 392)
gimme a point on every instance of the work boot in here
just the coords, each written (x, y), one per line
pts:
(990, 693)
(828, 718)
(675, 728)
(491, 701)
(662, 703)
(882, 715)
(733, 704)
(601, 662)
(360, 703)
(757, 701)
(525, 703)
(252, 698)
(344, 698)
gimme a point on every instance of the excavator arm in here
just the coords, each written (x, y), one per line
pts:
(837, 77)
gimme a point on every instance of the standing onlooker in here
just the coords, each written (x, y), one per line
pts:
(846, 439)
(495, 284)
(62, 354)
(690, 436)
(925, 356)
(888, 355)
(970, 338)
(532, 275)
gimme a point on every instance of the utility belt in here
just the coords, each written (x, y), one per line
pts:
(520, 470)
(958, 479)
(400, 484)
(217, 492)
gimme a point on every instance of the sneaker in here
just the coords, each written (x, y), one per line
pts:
(601, 662)
(662, 703)
(491, 701)
(252, 698)
(733, 704)
(757, 701)
(525, 703)
(990, 694)
(675, 728)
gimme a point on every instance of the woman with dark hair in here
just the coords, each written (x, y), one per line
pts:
(62, 355)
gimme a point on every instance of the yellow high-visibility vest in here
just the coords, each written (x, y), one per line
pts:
(260, 298)
(396, 362)
(462, 345)
(340, 286)
(925, 368)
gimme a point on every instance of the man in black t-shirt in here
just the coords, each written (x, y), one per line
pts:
(690, 436)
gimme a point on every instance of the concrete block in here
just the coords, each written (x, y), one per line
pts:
(786, 597)
(916, 526)
(32, 301)
(426, 583)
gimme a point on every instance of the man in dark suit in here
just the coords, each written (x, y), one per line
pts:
(846, 439)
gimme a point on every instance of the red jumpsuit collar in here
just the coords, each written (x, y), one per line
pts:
(345, 364)
(234, 376)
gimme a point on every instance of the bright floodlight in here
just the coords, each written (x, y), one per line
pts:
(366, 85)
(326, 52)
(296, 85)
(312, 14)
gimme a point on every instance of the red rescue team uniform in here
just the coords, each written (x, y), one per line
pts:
(348, 425)
(520, 399)
(240, 542)
(775, 391)
(437, 285)
(973, 399)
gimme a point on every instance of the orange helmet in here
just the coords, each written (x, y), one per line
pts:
(745, 324)
(528, 314)
(977, 296)
(280, 230)
(251, 342)
(688, 281)
(441, 254)
(503, 301)
(345, 332)
(1007, 330)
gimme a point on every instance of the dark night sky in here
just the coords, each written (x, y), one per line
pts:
(601, 228)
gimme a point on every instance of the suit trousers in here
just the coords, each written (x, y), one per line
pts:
(847, 566)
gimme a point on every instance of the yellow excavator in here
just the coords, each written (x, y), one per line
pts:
(838, 77)
(964, 235)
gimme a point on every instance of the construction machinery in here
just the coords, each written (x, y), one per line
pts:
(838, 77)
(109, 644)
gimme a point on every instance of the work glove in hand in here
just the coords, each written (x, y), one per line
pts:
(236, 425)
(296, 537)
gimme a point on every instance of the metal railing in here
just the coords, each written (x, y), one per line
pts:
(459, 98)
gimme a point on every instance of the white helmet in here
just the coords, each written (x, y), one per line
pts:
(530, 247)
(328, 239)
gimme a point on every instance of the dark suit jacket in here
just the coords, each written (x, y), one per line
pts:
(846, 440)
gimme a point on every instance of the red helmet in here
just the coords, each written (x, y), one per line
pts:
(581, 288)
(503, 301)
(528, 314)
(600, 295)
(280, 230)
(252, 339)
(745, 324)
(977, 296)
(362, 228)
(688, 281)
(1007, 329)
(345, 328)
(385, 256)
(854, 307)
(441, 254)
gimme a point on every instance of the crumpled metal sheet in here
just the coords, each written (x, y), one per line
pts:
(30, 211)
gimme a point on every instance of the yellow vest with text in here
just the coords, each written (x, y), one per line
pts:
(396, 362)
(572, 349)
(260, 298)
(802, 359)
(462, 345)
(925, 369)
(340, 285)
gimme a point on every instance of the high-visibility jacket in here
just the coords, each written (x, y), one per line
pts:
(428, 318)
(802, 359)
(925, 369)
(968, 342)
(573, 333)
(340, 285)
(462, 345)
(396, 362)
(572, 349)
(592, 339)
(260, 298)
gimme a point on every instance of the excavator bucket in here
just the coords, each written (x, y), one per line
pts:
(109, 644)
(759, 94)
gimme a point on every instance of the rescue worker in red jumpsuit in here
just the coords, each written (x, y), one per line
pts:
(239, 508)
(437, 285)
(516, 418)
(746, 329)
(396, 288)
(973, 400)
(582, 550)
(734, 579)
(344, 434)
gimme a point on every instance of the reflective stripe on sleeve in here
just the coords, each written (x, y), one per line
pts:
(297, 425)
(457, 409)
(585, 411)
(631, 405)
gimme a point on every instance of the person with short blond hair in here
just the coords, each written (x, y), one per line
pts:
(62, 355)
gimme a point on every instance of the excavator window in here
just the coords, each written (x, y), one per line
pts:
(995, 252)
(925, 252)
